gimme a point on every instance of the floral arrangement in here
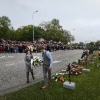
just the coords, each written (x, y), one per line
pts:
(75, 69)
(36, 61)
(59, 77)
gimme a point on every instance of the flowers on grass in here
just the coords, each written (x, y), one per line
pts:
(59, 77)
(36, 61)
(75, 69)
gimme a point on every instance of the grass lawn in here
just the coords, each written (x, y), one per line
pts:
(87, 88)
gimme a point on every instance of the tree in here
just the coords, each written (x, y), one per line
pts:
(26, 33)
(97, 43)
(5, 27)
(67, 37)
(52, 30)
(81, 43)
(39, 32)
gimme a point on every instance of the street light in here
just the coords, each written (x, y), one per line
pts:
(33, 24)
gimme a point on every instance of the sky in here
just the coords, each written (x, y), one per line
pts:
(80, 17)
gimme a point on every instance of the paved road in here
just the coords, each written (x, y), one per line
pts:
(12, 69)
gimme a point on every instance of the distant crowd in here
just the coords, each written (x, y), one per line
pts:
(22, 46)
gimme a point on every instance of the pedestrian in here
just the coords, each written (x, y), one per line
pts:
(47, 65)
(99, 56)
(28, 58)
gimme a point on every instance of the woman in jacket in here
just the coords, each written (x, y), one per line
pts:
(28, 58)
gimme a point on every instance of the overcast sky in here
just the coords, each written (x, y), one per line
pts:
(81, 15)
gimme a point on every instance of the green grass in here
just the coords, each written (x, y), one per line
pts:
(87, 88)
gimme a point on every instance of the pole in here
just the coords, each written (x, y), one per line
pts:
(33, 24)
(69, 73)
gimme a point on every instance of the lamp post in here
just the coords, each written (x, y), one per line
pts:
(33, 24)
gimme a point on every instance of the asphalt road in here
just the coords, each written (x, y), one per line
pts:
(12, 68)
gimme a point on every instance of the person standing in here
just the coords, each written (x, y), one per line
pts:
(47, 65)
(99, 56)
(28, 58)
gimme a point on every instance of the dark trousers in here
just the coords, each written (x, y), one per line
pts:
(46, 71)
(27, 75)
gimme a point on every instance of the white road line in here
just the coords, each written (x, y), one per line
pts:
(2, 56)
(10, 64)
(10, 56)
(57, 61)
(6, 56)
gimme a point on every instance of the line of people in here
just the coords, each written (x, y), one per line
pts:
(33, 47)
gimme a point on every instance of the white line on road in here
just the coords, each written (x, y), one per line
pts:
(6, 56)
(2, 56)
(57, 61)
(10, 64)
(10, 56)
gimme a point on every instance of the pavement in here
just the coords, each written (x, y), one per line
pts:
(12, 68)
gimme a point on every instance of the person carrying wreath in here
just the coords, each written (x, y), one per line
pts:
(28, 58)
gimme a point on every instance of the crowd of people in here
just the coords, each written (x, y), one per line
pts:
(21, 47)
(45, 48)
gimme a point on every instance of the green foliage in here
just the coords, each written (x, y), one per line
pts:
(39, 33)
(51, 30)
(5, 27)
(54, 31)
(97, 43)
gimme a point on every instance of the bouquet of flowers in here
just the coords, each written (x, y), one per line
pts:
(36, 61)
(75, 69)
(59, 78)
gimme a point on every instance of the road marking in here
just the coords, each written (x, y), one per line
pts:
(10, 56)
(6, 56)
(2, 56)
(57, 61)
(10, 64)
